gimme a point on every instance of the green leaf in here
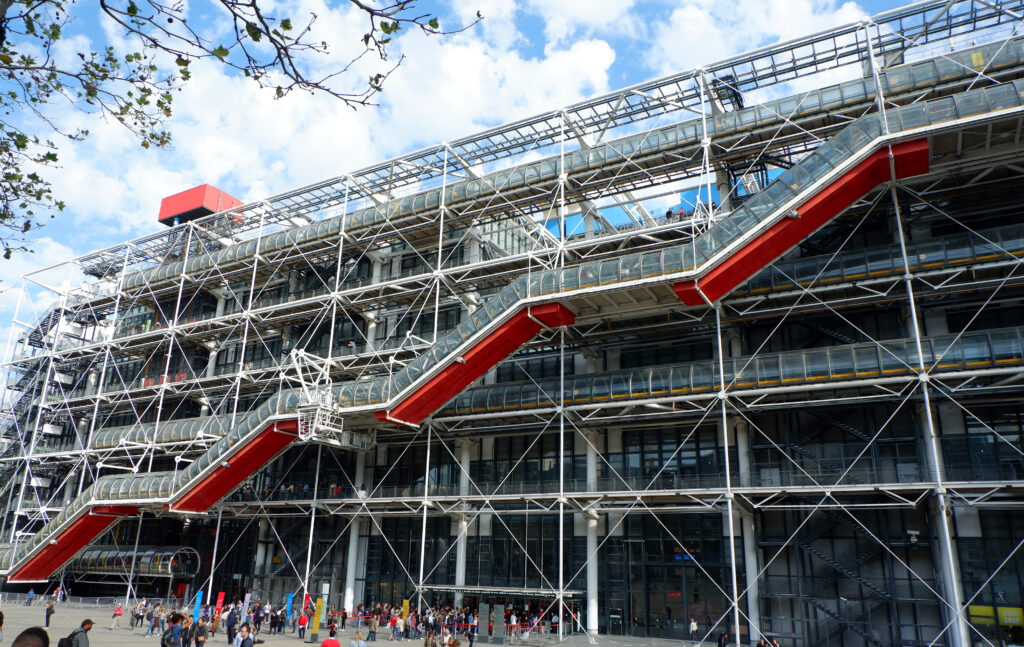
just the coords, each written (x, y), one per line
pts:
(220, 52)
(133, 10)
(254, 33)
(6, 58)
(181, 62)
(434, 23)
(286, 24)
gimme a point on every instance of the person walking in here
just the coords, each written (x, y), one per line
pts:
(232, 622)
(80, 637)
(303, 621)
(49, 612)
(201, 632)
(723, 640)
(31, 594)
(118, 612)
(246, 639)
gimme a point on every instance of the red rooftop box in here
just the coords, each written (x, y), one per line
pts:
(194, 203)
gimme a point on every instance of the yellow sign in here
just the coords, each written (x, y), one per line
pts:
(405, 610)
(1011, 616)
(985, 615)
(981, 615)
(314, 626)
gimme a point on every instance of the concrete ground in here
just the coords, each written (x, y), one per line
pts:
(69, 615)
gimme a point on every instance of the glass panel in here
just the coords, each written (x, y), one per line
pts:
(588, 274)
(841, 363)
(830, 97)
(866, 361)
(702, 377)
(768, 370)
(609, 271)
(1002, 96)
(630, 267)
(976, 350)
(651, 264)
(941, 110)
(971, 103)
(1005, 347)
(792, 368)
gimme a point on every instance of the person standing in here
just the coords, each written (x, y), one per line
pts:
(188, 631)
(723, 640)
(693, 629)
(372, 633)
(1, 625)
(31, 594)
(150, 622)
(303, 621)
(49, 612)
(343, 618)
(118, 612)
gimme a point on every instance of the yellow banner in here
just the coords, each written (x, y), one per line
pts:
(314, 626)
(405, 610)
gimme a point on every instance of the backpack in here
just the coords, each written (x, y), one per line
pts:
(167, 640)
(149, 615)
(69, 640)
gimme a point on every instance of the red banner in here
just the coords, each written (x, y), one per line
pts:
(215, 620)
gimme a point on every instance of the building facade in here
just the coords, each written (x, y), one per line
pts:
(497, 372)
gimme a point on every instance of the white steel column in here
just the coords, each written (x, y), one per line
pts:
(729, 509)
(130, 590)
(741, 431)
(213, 558)
(465, 448)
(355, 530)
(591, 517)
(423, 531)
(947, 567)
(312, 525)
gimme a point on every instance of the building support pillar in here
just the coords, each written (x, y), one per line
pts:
(354, 563)
(465, 451)
(591, 517)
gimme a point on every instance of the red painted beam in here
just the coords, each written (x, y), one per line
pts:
(74, 538)
(242, 464)
(910, 159)
(486, 353)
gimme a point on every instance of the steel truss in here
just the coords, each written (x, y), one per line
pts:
(117, 353)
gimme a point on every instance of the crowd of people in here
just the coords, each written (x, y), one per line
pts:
(243, 623)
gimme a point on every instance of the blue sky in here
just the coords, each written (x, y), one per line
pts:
(526, 57)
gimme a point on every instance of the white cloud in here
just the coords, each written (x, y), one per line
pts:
(705, 31)
(568, 19)
(230, 133)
